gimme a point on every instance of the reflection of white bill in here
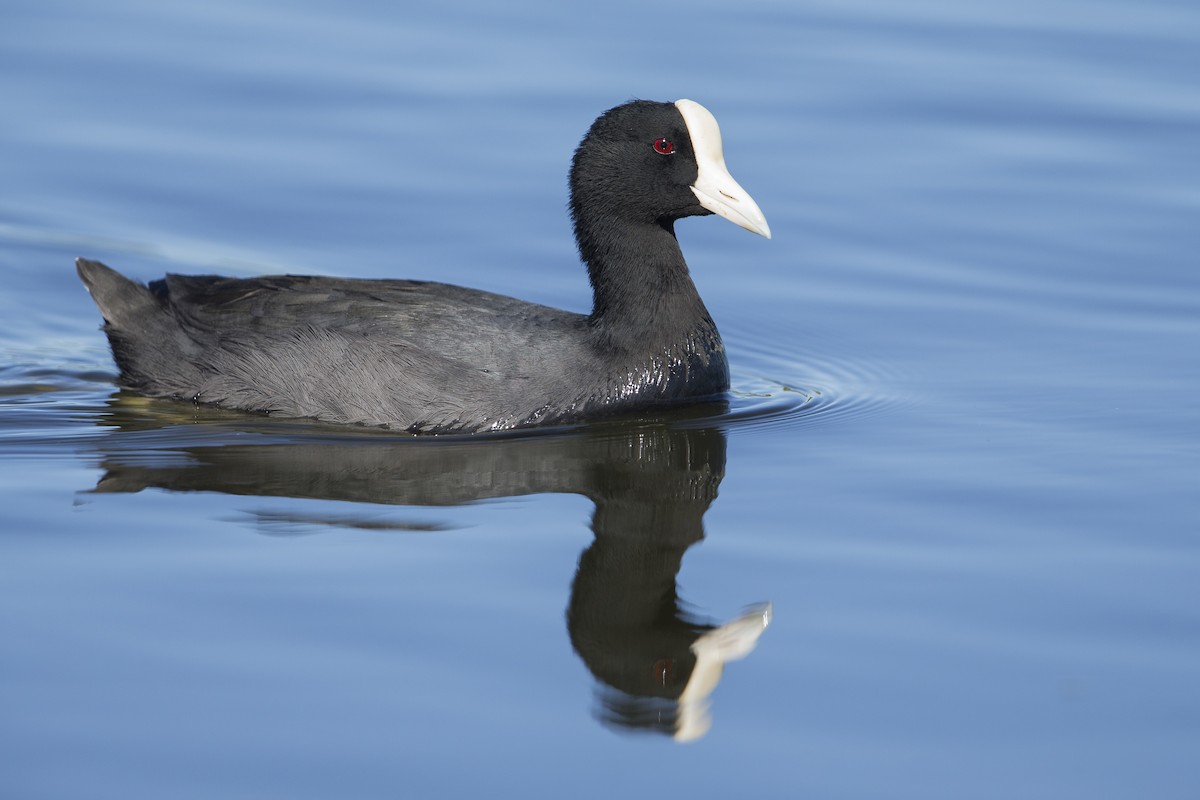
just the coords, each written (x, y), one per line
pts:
(733, 640)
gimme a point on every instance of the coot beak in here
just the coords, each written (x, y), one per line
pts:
(715, 188)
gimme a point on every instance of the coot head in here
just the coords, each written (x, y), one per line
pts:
(648, 163)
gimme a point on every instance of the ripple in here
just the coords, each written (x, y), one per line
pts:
(776, 385)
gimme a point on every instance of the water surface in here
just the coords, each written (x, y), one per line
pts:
(959, 459)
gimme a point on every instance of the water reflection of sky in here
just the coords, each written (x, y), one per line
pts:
(957, 457)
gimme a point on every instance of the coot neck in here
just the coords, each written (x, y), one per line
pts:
(643, 295)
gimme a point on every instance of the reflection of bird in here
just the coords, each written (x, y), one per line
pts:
(651, 484)
(430, 357)
(657, 664)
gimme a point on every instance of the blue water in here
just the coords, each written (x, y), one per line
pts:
(960, 459)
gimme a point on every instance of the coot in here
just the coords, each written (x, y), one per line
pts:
(434, 358)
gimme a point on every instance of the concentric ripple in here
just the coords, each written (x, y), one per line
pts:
(776, 386)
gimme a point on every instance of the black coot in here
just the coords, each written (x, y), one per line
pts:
(434, 358)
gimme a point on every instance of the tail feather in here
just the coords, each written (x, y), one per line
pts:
(146, 341)
(121, 300)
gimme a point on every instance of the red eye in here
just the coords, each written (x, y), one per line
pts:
(664, 147)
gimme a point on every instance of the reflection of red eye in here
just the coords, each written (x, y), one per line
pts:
(664, 147)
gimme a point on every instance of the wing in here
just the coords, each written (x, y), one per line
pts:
(376, 352)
